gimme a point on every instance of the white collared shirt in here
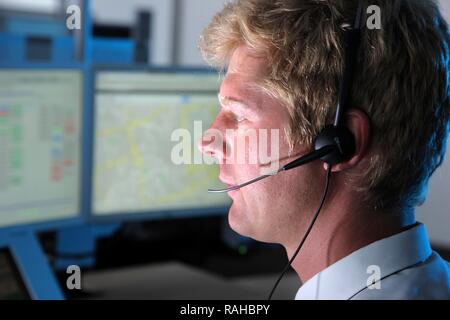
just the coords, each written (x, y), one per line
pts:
(402, 266)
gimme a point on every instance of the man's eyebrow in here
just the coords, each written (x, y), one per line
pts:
(231, 102)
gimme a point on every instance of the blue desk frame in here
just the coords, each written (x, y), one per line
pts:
(33, 266)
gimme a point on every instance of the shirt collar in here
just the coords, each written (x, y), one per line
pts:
(348, 276)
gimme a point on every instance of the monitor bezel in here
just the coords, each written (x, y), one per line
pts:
(78, 218)
(165, 214)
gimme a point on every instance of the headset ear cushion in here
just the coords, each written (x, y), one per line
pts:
(341, 138)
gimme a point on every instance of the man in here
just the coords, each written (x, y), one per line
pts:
(284, 61)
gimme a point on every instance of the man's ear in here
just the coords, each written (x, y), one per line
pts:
(359, 124)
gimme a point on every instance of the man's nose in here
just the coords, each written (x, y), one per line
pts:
(213, 142)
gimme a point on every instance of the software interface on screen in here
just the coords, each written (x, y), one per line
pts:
(12, 286)
(136, 114)
(40, 113)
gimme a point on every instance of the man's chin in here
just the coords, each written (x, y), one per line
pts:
(240, 223)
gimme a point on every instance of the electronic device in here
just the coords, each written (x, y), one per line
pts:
(142, 120)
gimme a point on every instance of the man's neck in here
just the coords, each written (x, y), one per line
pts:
(340, 231)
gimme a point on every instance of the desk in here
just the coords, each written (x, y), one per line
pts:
(175, 280)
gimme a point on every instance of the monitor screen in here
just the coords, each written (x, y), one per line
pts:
(12, 286)
(40, 143)
(138, 118)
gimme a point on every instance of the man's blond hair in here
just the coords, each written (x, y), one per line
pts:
(401, 81)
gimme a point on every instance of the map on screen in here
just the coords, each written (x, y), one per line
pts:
(134, 122)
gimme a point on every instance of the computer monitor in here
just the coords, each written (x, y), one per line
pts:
(12, 285)
(139, 115)
(40, 143)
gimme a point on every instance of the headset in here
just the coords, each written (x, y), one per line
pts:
(335, 143)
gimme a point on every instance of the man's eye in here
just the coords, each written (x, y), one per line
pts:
(239, 118)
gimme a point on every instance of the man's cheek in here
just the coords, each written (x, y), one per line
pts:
(269, 151)
(256, 148)
(245, 150)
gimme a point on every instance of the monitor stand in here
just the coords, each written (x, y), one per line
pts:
(32, 264)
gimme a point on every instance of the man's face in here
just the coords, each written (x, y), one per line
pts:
(271, 210)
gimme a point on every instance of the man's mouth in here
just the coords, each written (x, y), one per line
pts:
(228, 184)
